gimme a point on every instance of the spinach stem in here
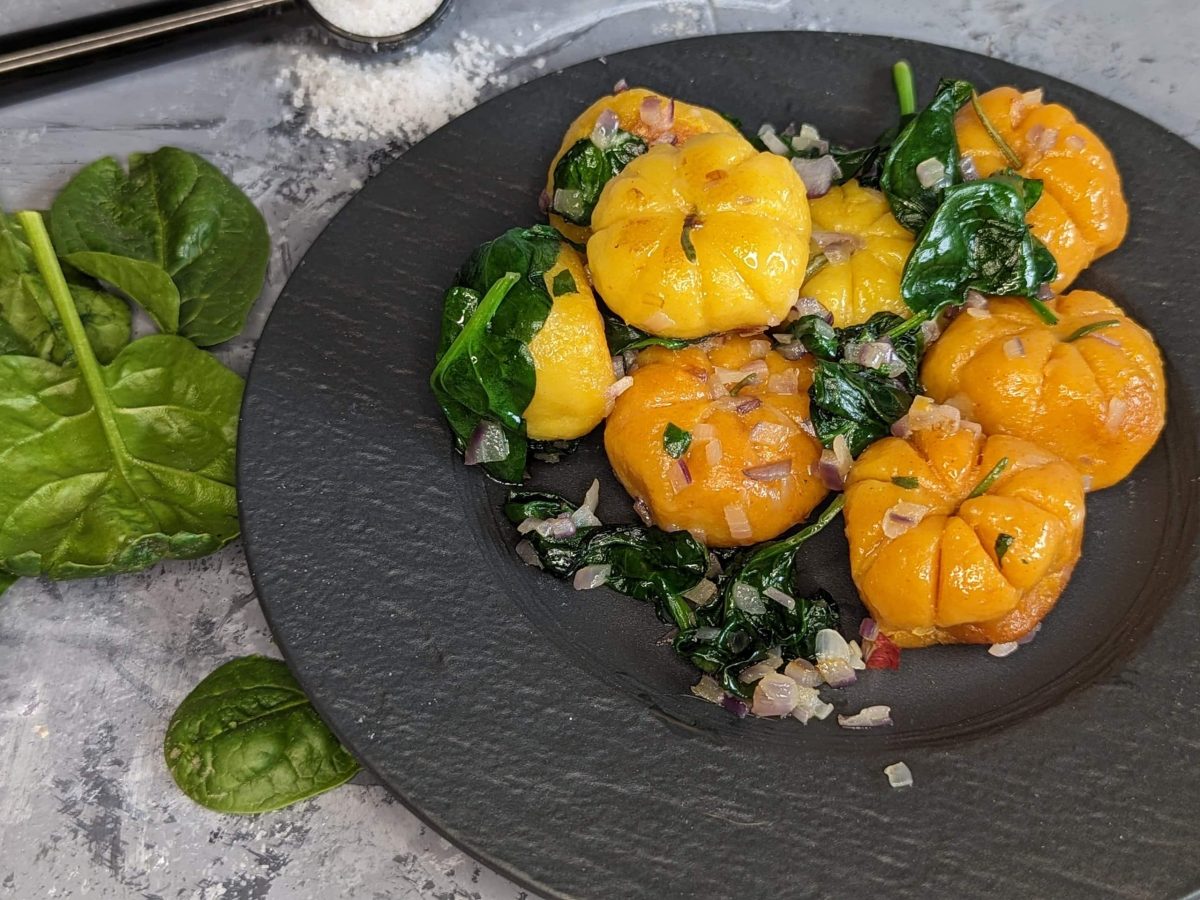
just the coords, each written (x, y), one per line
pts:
(916, 320)
(906, 94)
(827, 515)
(989, 479)
(1085, 330)
(1043, 311)
(815, 264)
(997, 139)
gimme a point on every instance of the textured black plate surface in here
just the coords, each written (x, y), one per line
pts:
(543, 729)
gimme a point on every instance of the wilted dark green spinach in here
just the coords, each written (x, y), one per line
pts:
(110, 468)
(850, 399)
(978, 240)
(622, 336)
(929, 135)
(586, 168)
(484, 370)
(174, 234)
(647, 563)
(744, 624)
(247, 740)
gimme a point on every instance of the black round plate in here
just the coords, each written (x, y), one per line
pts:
(546, 731)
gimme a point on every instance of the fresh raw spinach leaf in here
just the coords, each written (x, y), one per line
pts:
(646, 563)
(676, 440)
(484, 372)
(929, 135)
(852, 399)
(112, 468)
(745, 622)
(247, 740)
(173, 233)
(586, 168)
(29, 324)
(977, 240)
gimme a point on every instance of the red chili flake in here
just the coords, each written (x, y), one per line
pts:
(884, 654)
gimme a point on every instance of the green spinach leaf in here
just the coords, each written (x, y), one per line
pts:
(646, 563)
(484, 372)
(977, 240)
(929, 135)
(676, 440)
(1003, 544)
(851, 399)
(247, 740)
(110, 468)
(586, 168)
(29, 324)
(6, 581)
(745, 622)
(173, 233)
(622, 337)
(564, 283)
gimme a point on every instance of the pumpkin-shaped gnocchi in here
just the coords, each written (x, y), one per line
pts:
(1089, 389)
(652, 118)
(1082, 213)
(960, 538)
(570, 355)
(715, 439)
(865, 249)
(707, 237)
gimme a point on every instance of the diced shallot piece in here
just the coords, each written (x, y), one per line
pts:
(803, 673)
(898, 775)
(590, 577)
(868, 717)
(772, 471)
(903, 517)
(834, 658)
(775, 695)
(738, 522)
(817, 174)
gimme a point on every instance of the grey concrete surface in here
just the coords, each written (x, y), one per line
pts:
(90, 671)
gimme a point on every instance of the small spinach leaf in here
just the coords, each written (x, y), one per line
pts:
(977, 240)
(173, 233)
(564, 283)
(112, 468)
(929, 135)
(247, 740)
(1004, 543)
(484, 370)
(906, 481)
(29, 324)
(622, 337)
(676, 440)
(586, 168)
(744, 623)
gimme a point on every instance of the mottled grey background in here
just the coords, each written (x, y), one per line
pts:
(90, 671)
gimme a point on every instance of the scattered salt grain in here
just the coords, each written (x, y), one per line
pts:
(404, 101)
(375, 18)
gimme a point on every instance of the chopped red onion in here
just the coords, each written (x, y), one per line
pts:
(769, 433)
(899, 775)
(606, 126)
(616, 389)
(1087, 483)
(621, 86)
(975, 300)
(966, 165)
(784, 600)
(834, 658)
(488, 444)
(775, 695)
(835, 464)
(755, 672)
(528, 555)
(759, 349)
(1007, 648)
(817, 174)
(1117, 411)
(809, 139)
(560, 528)
(930, 332)
(586, 513)
(714, 566)
(901, 428)
(976, 313)
(1075, 142)
(1029, 635)
(703, 591)
(902, 517)
(618, 367)
(713, 452)
(1042, 139)
(931, 172)
(739, 524)
(544, 202)
(643, 511)
(569, 203)
(734, 705)
(772, 471)
(1045, 293)
(657, 115)
(784, 382)
(836, 246)
(792, 351)
(876, 355)
(748, 599)
(658, 321)
(925, 414)
(748, 405)
(868, 717)
(1105, 339)
(708, 689)
(1014, 348)
(809, 306)
(868, 629)
(803, 673)
(856, 657)
(810, 706)
(590, 577)
(771, 140)
(679, 475)
(756, 367)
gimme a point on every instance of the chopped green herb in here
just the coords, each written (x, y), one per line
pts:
(744, 383)
(676, 440)
(989, 479)
(685, 239)
(816, 263)
(1003, 543)
(564, 283)
(1085, 330)
(906, 481)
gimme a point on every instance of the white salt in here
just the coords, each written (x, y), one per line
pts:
(398, 101)
(375, 18)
